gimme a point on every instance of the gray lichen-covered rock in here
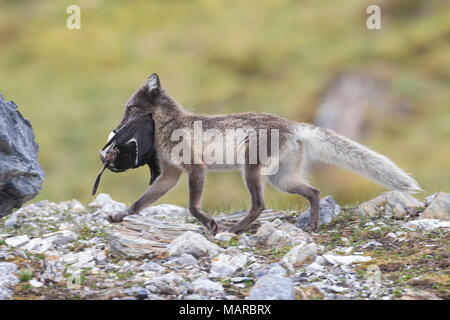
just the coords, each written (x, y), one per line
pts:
(228, 262)
(8, 280)
(206, 286)
(169, 283)
(193, 243)
(328, 210)
(439, 208)
(392, 203)
(21, 176)
(279, 234)
(273, 287)
(300, 254)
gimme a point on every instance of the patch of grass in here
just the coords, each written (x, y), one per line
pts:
(233, 242)
(25, 275)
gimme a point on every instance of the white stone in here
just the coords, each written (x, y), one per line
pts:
(186, 259)
(391, 235)
(84, 258)
(224, 236)
(203, 285)
(38, 245)
(427, 224)
(167, 212)
(70, 258)
(8, 280)
(279, 234)
(11, 221)
(17, 241)
(313, 268)
(228, 262)
(193, 243)
(36, 284)
(169, 283)
(272, 287)
(106, 204)
(371, 244)
(345, 260)
(300, 253)
(152, 266)
(439, 207)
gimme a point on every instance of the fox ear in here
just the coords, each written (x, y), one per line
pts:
(153, 84)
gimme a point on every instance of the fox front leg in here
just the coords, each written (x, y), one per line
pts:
(196, 182)
(166, 181)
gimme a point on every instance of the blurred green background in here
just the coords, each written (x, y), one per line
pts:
(222, 57)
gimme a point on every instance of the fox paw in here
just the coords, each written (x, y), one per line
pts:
(311, 227)
(118, 217)
(213, 227)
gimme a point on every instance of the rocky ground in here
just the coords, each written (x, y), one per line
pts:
(392, 247)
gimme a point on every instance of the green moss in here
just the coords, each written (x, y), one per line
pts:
(25, 275)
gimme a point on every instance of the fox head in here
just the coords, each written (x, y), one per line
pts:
(145, 101)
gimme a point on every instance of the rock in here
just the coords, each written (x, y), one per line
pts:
(141, 235)
(308, 293)
(36, 284)
(228, 220)
(38, 245)
(419, 296)
(439, 207)
(70, 258)
(228, 262)
(321, 260)
(345, 260)
(152, 266)
(224, 236)
(206, 286)
(280, 234)
(83, 259)
(21, 176)
(8, 280)
(430, 199)
(313, 268)
(193, 243)
(392, 203)
(273, 269)
(17, 241)
(328, 210)
(167, 212)
(246, 240)
(426, 224)
(272, 287)
(61, 238)
(371, 244)
(106, 205)
(170, 284)
(127, 246)
(186, 259)
(241, 279)
(139, 293)
(11, 222)
(391, 235)
(300, 254)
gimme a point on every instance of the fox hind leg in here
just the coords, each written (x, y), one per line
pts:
(289, 179)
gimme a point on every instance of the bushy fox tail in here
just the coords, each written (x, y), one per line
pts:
(327, 146)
